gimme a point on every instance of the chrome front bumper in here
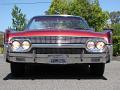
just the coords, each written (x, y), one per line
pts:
(71, 58)
(25, 57)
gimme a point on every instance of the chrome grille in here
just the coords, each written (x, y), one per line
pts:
(58, 50)
(56, 39)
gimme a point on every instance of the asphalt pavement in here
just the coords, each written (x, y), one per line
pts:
(60, 78)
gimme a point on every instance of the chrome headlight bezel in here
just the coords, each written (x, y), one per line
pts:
(26, 45)
(21, 48)
(90, 45)
(15, 45)
(100, 45)
(96, 49)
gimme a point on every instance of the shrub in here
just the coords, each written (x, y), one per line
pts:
(116, 29)
(1, 50)
(1, 43)
(116, 45)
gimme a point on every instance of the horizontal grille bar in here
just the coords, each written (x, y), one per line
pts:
(56, 39)
(58, 50)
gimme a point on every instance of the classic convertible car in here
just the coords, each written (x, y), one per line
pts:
(58, 39)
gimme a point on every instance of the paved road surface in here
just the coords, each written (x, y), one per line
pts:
(60, 78)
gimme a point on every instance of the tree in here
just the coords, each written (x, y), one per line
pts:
(115, 17)
(18, 19)
(88, 9)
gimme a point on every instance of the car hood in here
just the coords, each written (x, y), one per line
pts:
(77, 33)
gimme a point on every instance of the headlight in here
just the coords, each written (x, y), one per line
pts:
(100, 45)
(15, 45)
(26, 45)
(90, 45)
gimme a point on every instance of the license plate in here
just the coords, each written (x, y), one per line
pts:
(58, 59)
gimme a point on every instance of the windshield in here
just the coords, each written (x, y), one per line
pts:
(56, 22)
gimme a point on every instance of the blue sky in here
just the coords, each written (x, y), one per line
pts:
(38, 9)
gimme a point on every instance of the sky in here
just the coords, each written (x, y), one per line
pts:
(38, 9)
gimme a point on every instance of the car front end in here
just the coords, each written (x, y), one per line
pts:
(59, 45)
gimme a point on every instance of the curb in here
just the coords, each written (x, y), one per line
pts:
(117, 58)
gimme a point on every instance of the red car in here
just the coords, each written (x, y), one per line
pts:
(58, 39)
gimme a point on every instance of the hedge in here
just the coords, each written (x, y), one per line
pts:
(116, 45)
(1, 50)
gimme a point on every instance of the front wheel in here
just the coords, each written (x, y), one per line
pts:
(17, 68)
(97, 69)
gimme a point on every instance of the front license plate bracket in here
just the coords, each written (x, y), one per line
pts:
(58, 59)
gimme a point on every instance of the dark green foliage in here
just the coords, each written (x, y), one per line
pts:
(1, 39)
(116, 45)
(116, 29)
(90, 10)
(18, 20)
(1, 43)
(115, 20)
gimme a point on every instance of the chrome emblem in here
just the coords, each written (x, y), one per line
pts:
(59, 40)
(59, 37)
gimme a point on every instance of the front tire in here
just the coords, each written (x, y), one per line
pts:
(97, 69)
(17, 68)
